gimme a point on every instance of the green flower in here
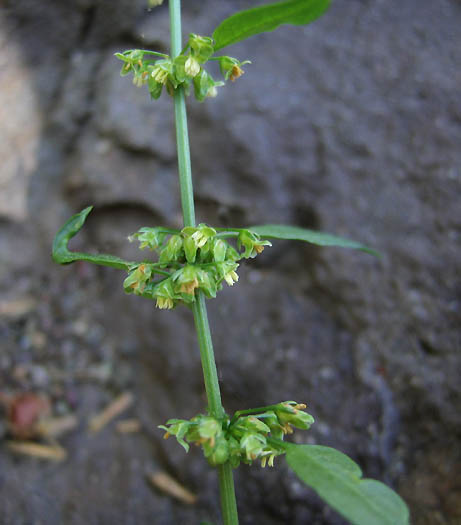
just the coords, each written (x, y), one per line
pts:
(202, 47)
(148, 238)
(291, 413)
(186, 282)
(252, 445)
(164, 294)
(195, 238)
(252, 243)
(137, 279)
(231, 68)
(227, 271)
(162, 71)
(173, 250)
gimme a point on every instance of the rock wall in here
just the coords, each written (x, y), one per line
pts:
(351, 125)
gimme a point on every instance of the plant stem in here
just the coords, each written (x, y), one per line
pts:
(210, 374)
(182, 134)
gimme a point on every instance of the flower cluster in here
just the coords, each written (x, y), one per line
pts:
(157, 70)
(245, 438)
(195, 258)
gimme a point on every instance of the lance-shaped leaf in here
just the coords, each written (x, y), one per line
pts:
(264, 18)
(62, 255)
(338, 480)
(295, 233)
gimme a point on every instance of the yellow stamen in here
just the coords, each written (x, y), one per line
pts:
(236, 73)
(188, 288)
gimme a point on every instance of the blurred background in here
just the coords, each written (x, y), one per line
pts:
(351, 125)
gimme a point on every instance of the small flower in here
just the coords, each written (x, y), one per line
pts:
(137, 279)
(212, 92)
(159, 75)
(291, 413)
(164, 294)
(186, 282)
(231, 67)
(252, 243)
(192, 67)
(164, 303)
(139, 79)
(227, 271)
(195, 238)
(231, 277)
(202, 234)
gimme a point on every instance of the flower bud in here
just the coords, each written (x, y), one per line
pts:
(172, 251)
(291, 413)
(219, 250)
(202, 47)
(186, 282)
(273, 423)
(253, 424)
(219, 454)
(190, 249)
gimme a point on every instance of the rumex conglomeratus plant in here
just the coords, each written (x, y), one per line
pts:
(193, 263)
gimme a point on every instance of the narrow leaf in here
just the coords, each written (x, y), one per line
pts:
(338, 480)
(62, 255)
(268, 17)
(295, 233)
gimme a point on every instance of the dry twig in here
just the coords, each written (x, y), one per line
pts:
(28, 448)
(116, 407)
(165, 483)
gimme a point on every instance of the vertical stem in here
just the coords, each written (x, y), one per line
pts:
(210, 375)
(182, 134)
(227, 492)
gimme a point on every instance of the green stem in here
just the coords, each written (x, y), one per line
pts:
(182, 134)
(210, 374)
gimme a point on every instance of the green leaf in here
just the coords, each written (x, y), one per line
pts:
(62, 255)
(295, 233)
(268, 17)
(338, 480)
